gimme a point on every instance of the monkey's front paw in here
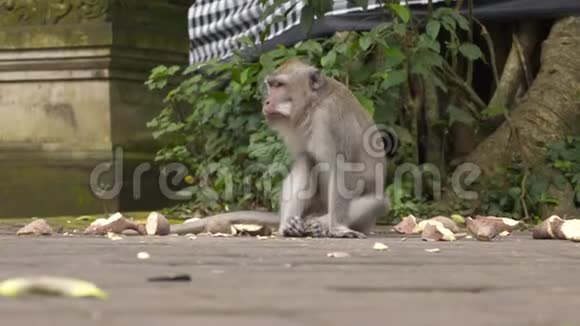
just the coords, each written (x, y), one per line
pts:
(345, 232)
(314, 228)
(294, 227)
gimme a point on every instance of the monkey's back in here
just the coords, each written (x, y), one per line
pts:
(350, 119)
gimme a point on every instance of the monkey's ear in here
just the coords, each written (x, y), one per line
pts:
(316, 79)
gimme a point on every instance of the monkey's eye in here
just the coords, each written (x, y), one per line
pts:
(274, 83)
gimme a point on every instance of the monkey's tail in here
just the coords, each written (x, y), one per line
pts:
(268, 219)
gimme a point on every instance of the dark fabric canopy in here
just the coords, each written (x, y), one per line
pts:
(357, 20)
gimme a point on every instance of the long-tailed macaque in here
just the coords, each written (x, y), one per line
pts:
(335, 186)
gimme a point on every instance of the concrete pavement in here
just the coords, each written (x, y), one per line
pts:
(246, 281)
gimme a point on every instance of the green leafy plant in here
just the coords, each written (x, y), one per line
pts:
(517, 187)
(517, 192)
(565, 157)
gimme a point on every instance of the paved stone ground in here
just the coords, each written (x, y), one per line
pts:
(246, 281)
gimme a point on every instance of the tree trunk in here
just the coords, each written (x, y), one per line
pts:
(549, 111)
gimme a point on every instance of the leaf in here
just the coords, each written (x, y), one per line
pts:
(563, 165)
(449, 24)
(537, 186)
(394, 57)
(458, 115)
(307, 18)
(394, 78)
(269, 9)
(470, 51)
(244, 75)
(438, 83)
(515, 192)
(246, 40)
(311, 46)
(422, 62)
(365, 42)
(493, 111)
(265, 33)
(433, 28)
(400, 29)
(341, 48)
(403, 134)
(401, 11)
(172, 127)
(560, 181)
(191, 68)
(366, 102)
(461, 20)
(429, 43)
(576, 179)
(328, 60)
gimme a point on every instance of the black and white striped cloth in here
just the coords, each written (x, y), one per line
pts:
(216, 26)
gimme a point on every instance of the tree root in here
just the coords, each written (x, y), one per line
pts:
(548, 113)
(515, 69)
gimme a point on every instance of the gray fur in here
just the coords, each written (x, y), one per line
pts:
(326, 122)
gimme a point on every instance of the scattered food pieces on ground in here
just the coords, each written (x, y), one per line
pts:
(116, 223)
(485, 228)
(571, 230)
(458, 218)
(550, 228)
(157, 224)
(407, 225)
(36, 227)
(434, 230)
(555, 227)
(338, 254)
(221, 235)
(380, 246)
(143, 255)
(114, 236)
(50, 286)
(446, 222)
(251, 229)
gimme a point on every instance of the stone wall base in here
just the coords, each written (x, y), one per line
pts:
(72, 91)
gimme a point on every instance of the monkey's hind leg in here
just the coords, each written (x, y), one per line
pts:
(319, 228)
(364, 211)
(362, 216)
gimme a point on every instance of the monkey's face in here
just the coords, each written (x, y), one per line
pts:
(290, 94)
(278, 103)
